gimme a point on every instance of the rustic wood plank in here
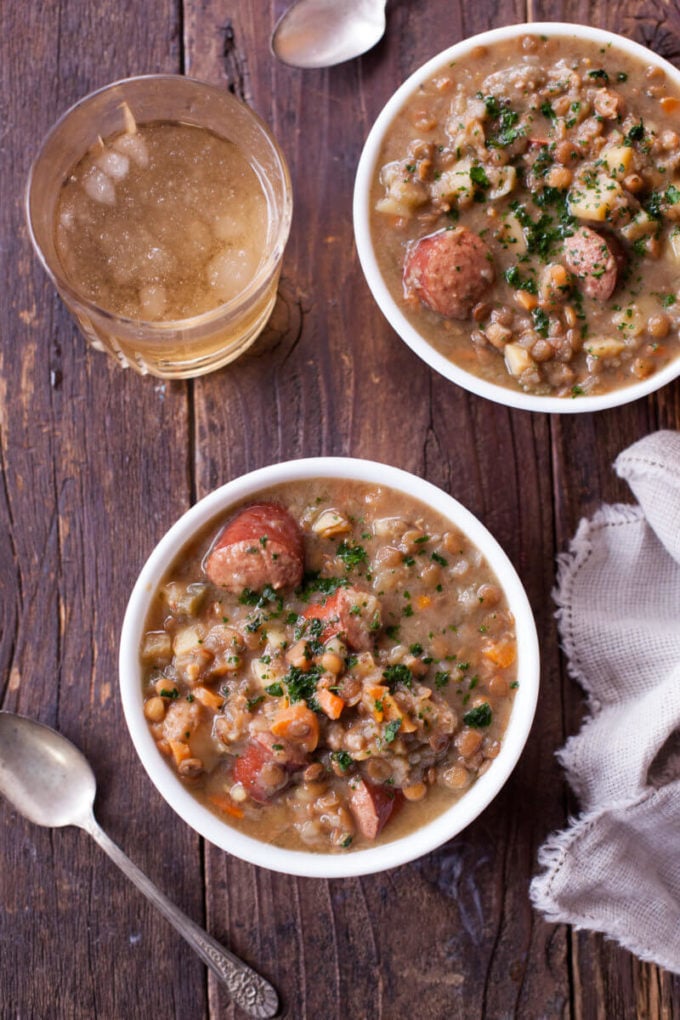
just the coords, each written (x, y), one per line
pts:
(94, 464)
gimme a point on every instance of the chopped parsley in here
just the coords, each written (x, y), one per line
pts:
(479, 178)
(301, 685)
(519, 282)
(479, 717)
(343, 759)
(312, 583)
(261, 599)
(275, 689)
(636, 133)
(172, 693)
(599, 74)
(543, 234)
(541, 321)
(441, 679)
(398, 674)
(352, 555)
(391, 730)
(506, 130)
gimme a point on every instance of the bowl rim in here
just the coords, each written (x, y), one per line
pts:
(309, 863)
(368, 161)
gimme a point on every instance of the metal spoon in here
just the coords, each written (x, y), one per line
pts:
(50, 782)
(320, 33)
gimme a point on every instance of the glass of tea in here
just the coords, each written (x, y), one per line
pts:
(160, 206)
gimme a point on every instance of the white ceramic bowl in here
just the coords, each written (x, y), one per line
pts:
(361, 212)
(294, 862)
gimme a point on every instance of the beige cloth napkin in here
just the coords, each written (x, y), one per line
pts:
(616, 868)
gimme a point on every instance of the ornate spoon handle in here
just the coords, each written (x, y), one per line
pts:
(246, 987)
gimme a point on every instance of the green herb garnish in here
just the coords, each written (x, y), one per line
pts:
(398, 674)
(352, 555)
(479, 717)
(391, 730)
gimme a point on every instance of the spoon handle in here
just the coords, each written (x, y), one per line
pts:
(246, 987)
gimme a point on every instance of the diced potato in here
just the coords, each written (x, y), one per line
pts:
(617, 159)
(455, 182)
(187, 639)
(511, 235)
(517, 359)
(330, 523)
(641, 226)
(390, 207)
(503, 180)
(265, 673)
(671, 203)
(604, 347)
(185, 599)
(402, 188)
(594, 201)
(630, 323)
(276, 638)
(388, 527)
(156, 648)
(673, 248)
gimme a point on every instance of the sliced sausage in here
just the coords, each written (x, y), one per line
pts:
(372, 806)
(287, 753)
(261, 545)
(449, 271)
(258, 773)
(351, 612)
(593, 260)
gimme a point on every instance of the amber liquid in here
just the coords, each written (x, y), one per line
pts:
(158, 226)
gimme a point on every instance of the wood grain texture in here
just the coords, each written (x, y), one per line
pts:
(96, 463)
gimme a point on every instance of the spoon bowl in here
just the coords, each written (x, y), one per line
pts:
(43, 775)
(50, 782)
(321, 33)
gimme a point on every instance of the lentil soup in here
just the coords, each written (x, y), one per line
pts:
(329, 666)
(525, 214)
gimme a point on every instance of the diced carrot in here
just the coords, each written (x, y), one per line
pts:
(669, 104)
(501, 653)
(423, 601)
(392, 712)
(298, 724)
(526, 300)
(225, 804)
(330, 703)
(208, 697)
(180, 751)
(375, 694)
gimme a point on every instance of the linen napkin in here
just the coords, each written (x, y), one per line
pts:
(616, 868)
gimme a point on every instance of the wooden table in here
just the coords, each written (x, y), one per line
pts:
(98, 462)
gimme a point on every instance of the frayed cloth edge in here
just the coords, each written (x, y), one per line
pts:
(551, 857)
(569, 563)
